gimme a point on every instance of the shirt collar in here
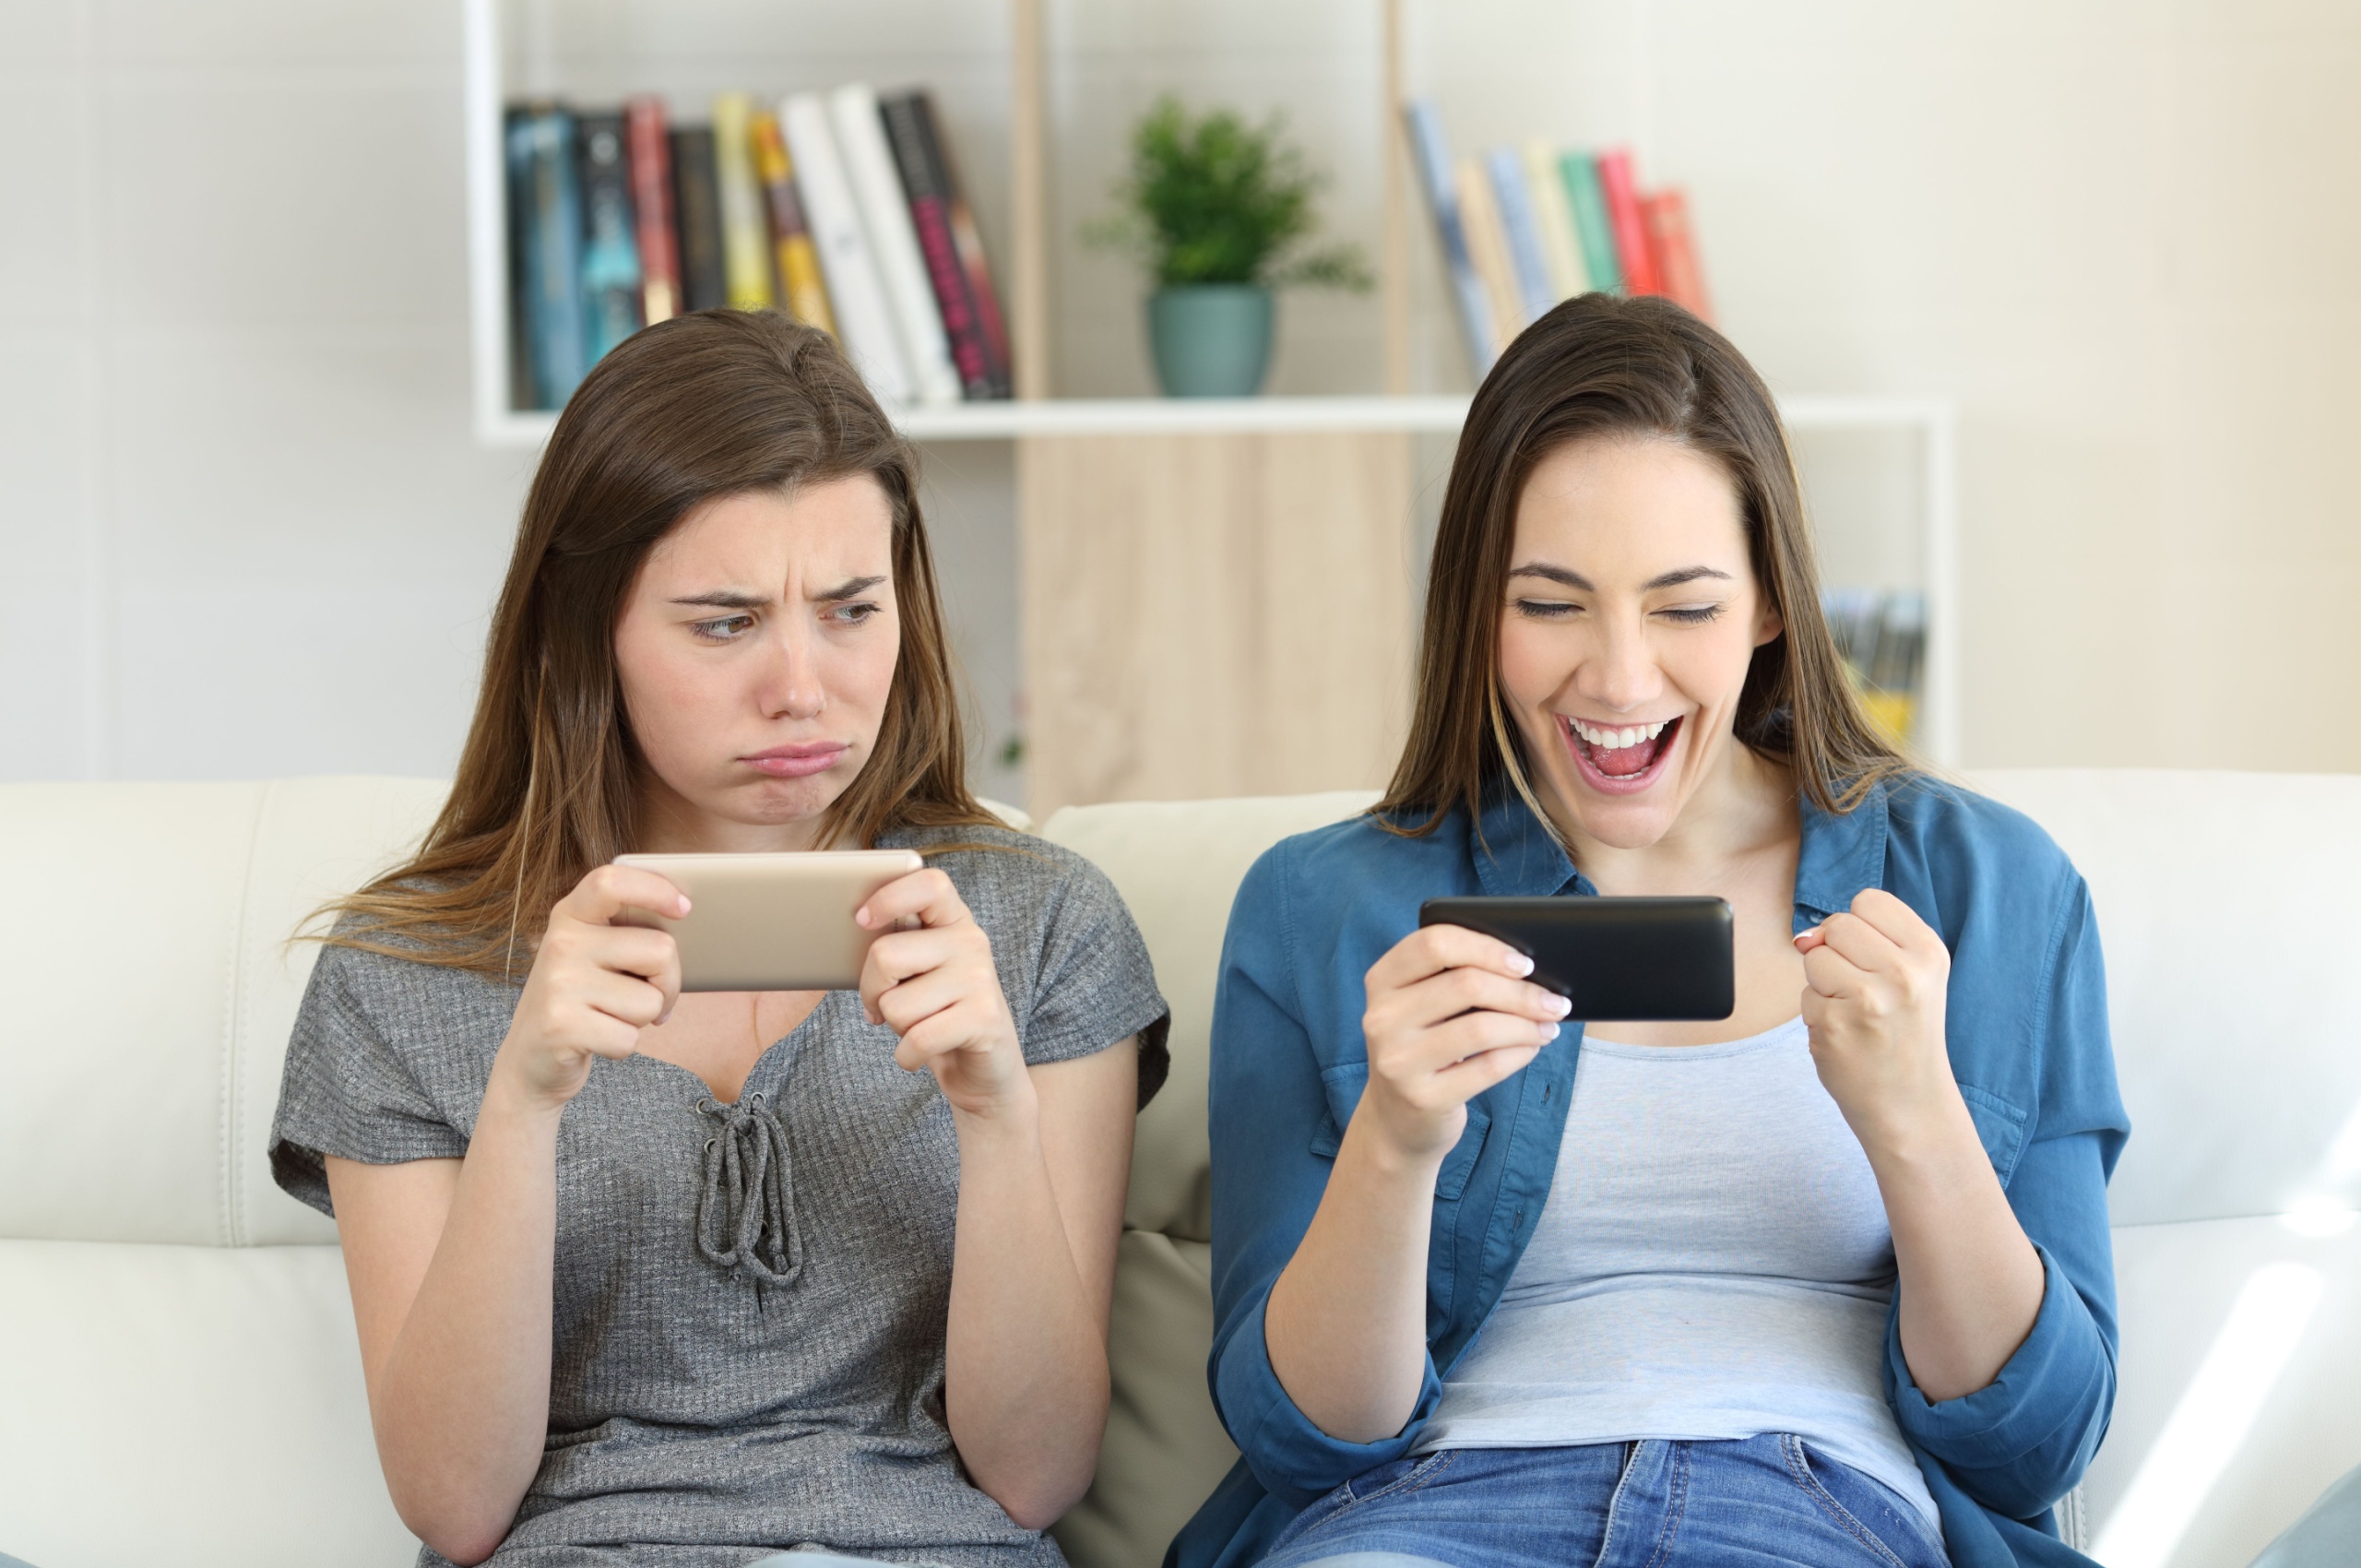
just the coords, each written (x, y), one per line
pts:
(1841, 855)
(1517, 855)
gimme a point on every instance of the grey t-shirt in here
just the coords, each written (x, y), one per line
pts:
(750, 1300)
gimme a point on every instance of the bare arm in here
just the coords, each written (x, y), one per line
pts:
(1040, 1212)
(450, 1260)
(1450, 1014)
(1970, 1281)
(1044, 1153)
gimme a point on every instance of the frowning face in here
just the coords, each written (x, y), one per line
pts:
(757, 649)
(1630, 618)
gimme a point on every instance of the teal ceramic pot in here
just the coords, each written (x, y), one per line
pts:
(1211, 340)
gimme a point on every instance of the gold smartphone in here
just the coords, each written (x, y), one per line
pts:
(771, 921)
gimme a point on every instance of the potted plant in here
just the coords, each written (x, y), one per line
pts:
(1219, 209)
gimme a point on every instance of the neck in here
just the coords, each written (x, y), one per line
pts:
(1745, 806)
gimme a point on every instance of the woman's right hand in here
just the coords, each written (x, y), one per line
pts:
(594, 984)
(1451, 1013)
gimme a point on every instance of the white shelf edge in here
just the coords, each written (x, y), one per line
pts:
(1440, 413)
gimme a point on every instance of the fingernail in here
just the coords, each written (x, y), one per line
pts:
(1548, 1032)
(1560, 1005)
(1519, 965)
(860, 916)
(683, 905)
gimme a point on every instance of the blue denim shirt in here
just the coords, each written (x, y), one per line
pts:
(2027, 1031)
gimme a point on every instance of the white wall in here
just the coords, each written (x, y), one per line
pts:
(244, 529)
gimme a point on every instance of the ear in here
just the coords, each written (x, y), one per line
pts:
(1768, 623)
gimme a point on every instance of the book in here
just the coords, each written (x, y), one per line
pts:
(1528, 262)
(540, 163)
(1559, 239)
(800, 285)
(893, 243)
(1623, 218)
(931, 219)
(1666, 214)
(856, 291)
(970, 242)
(610, 276)
(650, 153)
(1431, 154)
(697, 203)
(746, 233)
(1488, 247)
(513, 141)
(1579, 172)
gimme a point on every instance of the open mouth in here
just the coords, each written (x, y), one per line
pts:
(1619, 760)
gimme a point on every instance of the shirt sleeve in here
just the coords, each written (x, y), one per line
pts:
(1095, 984)
(345, 1090)
(2021, 1442)
(1267, 1113)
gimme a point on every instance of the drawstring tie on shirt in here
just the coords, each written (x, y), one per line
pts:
(746, 1205)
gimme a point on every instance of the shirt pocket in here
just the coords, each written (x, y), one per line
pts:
(1343, 1085)
(2001, 1124)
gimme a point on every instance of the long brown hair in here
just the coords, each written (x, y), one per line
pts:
(1602, 366)
(703, 406)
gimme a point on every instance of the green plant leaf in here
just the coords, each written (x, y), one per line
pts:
(1211, 198)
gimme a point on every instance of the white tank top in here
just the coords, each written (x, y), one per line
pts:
(1713, 1262)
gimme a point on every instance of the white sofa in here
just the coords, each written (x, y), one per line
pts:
(178, 1379)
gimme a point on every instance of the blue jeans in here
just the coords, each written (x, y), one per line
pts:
(1767, 1502)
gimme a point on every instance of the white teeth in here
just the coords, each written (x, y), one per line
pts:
(1617, 739)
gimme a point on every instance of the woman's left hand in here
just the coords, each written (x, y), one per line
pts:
(1874, 1004)
(936, 986)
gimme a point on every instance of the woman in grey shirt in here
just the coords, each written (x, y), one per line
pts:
(646, 1278)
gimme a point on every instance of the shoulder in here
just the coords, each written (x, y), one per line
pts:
(1343, 862)
(1959, 835)
(388, 980)
(1012, 882)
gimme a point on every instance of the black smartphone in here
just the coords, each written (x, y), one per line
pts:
(1623, 958)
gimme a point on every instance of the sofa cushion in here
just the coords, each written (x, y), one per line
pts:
(191, 1405)
(138, 1080)
(2234, 979)
(1177, 864)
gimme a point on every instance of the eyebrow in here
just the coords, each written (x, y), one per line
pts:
(1581, 584)
(730, 598)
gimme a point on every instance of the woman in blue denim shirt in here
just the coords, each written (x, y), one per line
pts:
(1825, 1283)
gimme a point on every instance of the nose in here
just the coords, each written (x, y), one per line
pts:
(789, 685)
(1621, 673)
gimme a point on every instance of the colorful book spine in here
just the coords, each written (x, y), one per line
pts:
(746, 233)
(1528, 262)
(611, 276)
(1488, 247)
(800, 283)
(515, 142)
(1559, 239)
(1673, 248)
(1623, 216)
(893, 242)
(1579, 172)
(540, 159)
(1432, 156)
(970, 242)
(696, 201)
(651, 199)
(931, 219)
(864, 318)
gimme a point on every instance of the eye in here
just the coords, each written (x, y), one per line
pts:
(1546, 609)
(723, 628)
(854, 612)
(1692, 614)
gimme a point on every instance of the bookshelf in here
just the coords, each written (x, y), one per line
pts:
(1110, 701)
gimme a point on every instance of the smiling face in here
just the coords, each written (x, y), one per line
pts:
(1632, 615)
(755, 650)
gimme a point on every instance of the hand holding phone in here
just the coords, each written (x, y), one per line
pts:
(593, 986)
(1450, 1013)
(1623, 958)
(769, 922)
